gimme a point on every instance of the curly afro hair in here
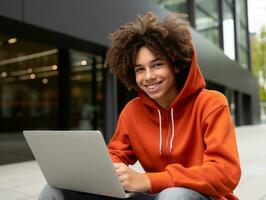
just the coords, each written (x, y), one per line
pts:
(170, 39)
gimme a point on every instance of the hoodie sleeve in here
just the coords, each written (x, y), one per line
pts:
(119, 146)
(220, 171)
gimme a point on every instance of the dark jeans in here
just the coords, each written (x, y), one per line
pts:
(175, 193)
(70, 195)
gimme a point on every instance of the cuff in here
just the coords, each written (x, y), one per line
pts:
(159, 181)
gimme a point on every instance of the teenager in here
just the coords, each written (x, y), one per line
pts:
(181, 133)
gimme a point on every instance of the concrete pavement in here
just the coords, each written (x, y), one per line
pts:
(24, 181)
(252, 150)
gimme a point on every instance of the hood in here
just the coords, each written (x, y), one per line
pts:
(193, 84)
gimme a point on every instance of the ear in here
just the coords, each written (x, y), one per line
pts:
(177, 69)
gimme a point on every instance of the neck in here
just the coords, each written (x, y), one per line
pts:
(165, 103)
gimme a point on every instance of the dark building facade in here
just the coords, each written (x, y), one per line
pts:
(52, 73)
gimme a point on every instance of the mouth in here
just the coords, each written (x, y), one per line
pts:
(154, 86)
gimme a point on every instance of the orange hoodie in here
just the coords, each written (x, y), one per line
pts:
(190, 144)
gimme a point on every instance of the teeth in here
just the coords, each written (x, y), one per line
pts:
(153, 86)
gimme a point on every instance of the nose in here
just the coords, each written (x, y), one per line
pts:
(149, 75)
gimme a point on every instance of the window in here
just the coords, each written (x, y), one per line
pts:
(86, 90)
(28, 85)
(243, 58)
(174, 5)
(207, 19)
(243, 9)
(242, 34)
(230, 95)
(228, 30)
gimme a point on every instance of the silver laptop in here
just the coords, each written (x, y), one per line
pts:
(76, 160)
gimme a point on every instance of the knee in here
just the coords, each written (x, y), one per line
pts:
(177, 193)
(51, 193)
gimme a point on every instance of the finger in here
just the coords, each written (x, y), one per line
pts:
(122, 178)
(118, 165)
(121, 168)
(119, 172)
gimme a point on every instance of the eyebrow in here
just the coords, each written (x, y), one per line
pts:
(153, 61)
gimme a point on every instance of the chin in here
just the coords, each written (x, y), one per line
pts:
(154, 97)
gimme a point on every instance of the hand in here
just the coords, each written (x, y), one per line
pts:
(131, 180)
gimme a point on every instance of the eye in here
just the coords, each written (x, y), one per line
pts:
(138, 69)
(158, 65)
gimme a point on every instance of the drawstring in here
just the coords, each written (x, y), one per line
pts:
(173, 130)
(160, 125)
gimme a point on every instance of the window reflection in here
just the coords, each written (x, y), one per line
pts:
(28, 85)
(206, 14)
(243, 58)
(242, 11)
(210, 7)
(230, 95)
(174, 5)
(86, 91)
(228, 30)
(242, 34)
(243, 37)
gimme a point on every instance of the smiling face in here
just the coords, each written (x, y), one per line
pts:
(156, 77)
